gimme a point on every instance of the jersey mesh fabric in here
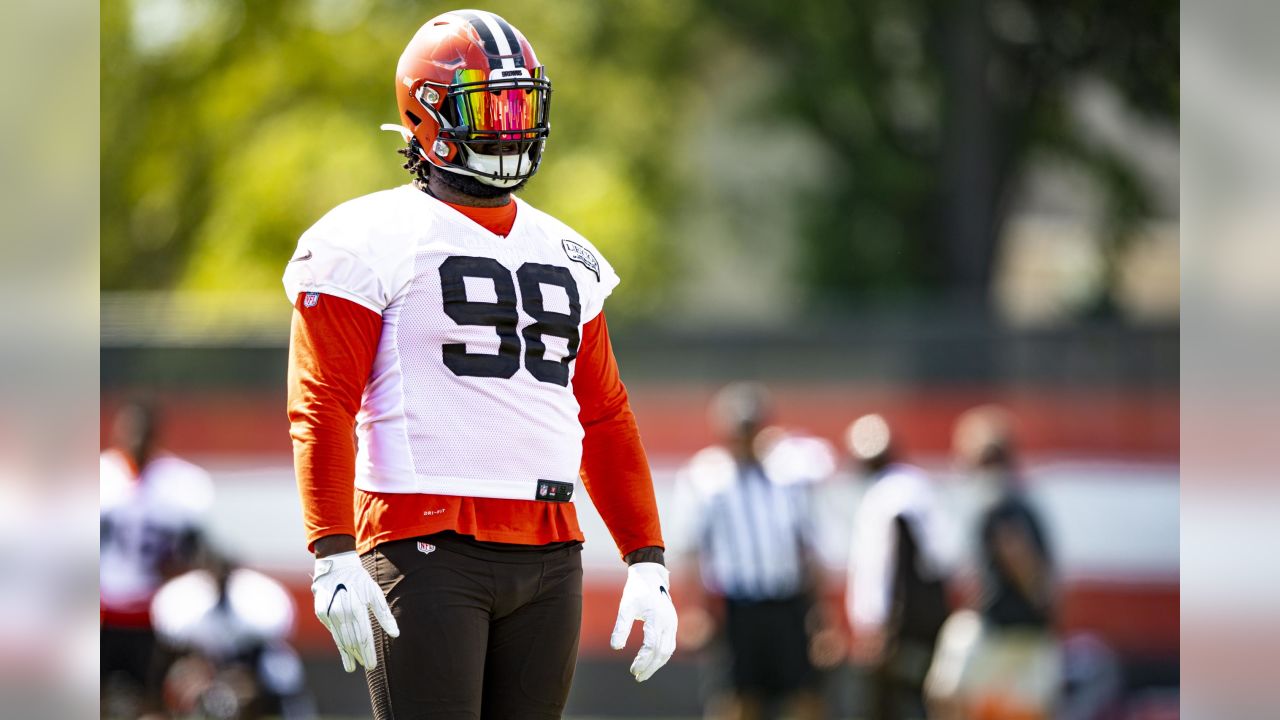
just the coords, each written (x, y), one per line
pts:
(622, 490)
(428, 427)
(477, 435)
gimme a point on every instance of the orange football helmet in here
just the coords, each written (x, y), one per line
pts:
(473, 98)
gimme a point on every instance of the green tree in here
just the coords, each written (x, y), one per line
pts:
(932, 109)
(229, 127)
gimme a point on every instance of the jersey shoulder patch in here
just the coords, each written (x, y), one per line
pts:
(598, 274)
(578, 253)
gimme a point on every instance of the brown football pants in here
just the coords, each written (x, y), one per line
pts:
(487, 630)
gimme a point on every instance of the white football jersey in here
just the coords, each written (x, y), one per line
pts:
(899, 490)
(471, 390)
(143, 521)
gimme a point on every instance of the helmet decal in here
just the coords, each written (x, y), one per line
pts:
(497, 36)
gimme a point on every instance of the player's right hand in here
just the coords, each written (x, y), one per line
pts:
(344, 595)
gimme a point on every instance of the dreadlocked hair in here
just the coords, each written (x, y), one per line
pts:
(415, 164)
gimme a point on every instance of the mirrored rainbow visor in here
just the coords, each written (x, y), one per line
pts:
(498, 109)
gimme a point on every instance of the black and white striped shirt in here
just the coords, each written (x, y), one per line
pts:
(752, 527)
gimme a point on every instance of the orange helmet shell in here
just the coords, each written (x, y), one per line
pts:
(428, 67)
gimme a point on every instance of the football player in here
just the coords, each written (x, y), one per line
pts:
(1000, 660)
(896, 593)
(153, 506)
(461, 332)
(222, 633)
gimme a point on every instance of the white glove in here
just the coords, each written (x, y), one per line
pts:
(647, 598)
(344, 594)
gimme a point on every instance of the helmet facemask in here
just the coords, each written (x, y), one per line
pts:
(493, 124)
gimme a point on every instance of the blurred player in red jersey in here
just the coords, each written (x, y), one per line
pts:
(152, 509)
(461, 333)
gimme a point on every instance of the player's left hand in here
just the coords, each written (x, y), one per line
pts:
(647, 598)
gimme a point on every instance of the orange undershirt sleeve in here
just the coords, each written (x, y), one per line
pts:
(331, 350)
(615, 470)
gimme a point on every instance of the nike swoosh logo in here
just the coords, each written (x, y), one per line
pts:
(300, 258)
(336, 590)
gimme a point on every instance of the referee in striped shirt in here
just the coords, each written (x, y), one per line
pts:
(755, 553)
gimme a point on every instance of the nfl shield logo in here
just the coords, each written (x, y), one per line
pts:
(426, 548)
(310, 299)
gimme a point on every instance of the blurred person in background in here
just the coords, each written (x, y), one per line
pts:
(896, 598)
(1000, 661)
(222, 634)
(477, 407)
(1093, 678)
(754, 548)
(152, 509)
